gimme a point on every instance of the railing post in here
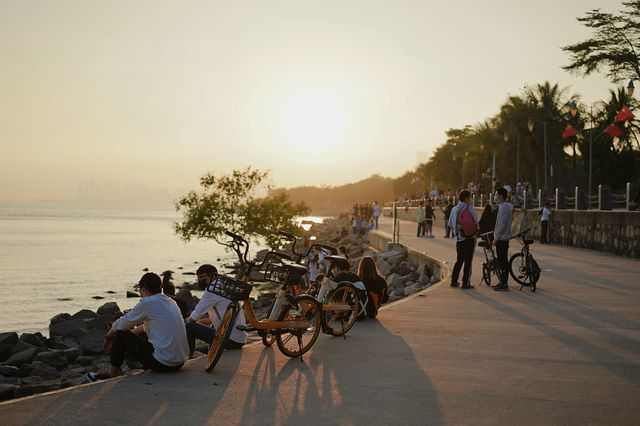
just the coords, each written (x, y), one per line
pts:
(473, 200)
(481, 200)
(628, 197)
(599, 197)
(576, 205)
(540, 203)
(395, 220)
(557, 199)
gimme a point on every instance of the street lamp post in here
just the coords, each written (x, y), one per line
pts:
(530, 126)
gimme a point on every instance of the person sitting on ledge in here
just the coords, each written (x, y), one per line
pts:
(165, 348)
(215, 305)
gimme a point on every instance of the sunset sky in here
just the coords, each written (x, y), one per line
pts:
(139, 98)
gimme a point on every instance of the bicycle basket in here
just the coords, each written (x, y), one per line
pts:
(276, 273)
(230, 288)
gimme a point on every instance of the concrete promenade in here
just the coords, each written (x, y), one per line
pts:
(567, 354)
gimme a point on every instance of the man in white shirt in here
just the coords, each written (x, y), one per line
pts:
(215, 306)
(545, 215)
(501, 237)
(165, 348)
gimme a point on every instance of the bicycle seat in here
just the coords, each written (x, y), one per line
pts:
(483, 244)
(528, 241)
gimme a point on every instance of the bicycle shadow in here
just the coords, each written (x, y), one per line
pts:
(372, 377)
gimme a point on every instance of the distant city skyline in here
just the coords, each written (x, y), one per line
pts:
(145, 97)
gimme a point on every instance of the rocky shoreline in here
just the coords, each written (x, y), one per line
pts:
(32, 363)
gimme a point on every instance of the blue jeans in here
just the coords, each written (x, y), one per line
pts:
(205, 333)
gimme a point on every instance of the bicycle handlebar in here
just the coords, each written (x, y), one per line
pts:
(243, 242)
(520, 234)
(289, 236)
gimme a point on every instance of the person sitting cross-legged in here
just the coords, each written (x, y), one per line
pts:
(165, 347)
(215, 305)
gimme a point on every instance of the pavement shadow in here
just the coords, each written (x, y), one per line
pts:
(344, 382)
(623, 368)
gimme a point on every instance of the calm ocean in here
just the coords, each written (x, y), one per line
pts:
(59, 251)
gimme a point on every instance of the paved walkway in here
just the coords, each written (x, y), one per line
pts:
(567, 354)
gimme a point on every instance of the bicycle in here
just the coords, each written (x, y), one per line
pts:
(490, 266)
(297, 325)
(522, 266)
(341, 304)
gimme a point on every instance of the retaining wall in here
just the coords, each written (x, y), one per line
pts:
(615, 232)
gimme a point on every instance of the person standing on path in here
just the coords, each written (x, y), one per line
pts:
(465, 241)
(501, 237)
(447, 215)
(376, 213)
(545, 215)
(429, 217)
(421, 222)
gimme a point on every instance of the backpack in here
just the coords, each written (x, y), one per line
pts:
(466, 224)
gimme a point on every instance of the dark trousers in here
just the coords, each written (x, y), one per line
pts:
(447, 228)
(502, 253)
(422, 227)
(464, 255)
(376, 219)
(544, 231)
(127, 343)
(207, 334)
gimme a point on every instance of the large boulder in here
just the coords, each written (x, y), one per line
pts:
(109, 308)
(9, 371)
(24, 356)
(41, 369)
(56, 358)
(36, 339)
(59, 342)
(84, 314)
(411, 288)
(399, 280)
(7, 342)
(78, 327)
(72, 353)
(9, 380)
(91, 343)
(59, 319)
(186, 296)
(132, 294)
(7, 391)
(383, 267)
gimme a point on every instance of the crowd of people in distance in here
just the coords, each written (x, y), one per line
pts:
(162, 337)
(364, 218)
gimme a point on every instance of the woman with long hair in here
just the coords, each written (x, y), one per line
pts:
(375, 284)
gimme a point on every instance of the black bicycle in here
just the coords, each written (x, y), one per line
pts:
(522, 266)
(490, 266)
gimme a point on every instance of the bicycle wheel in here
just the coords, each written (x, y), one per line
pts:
(524, 270)
(294, 342)
(536, 274)
(486, 274)
(341, 321)
(222, 335)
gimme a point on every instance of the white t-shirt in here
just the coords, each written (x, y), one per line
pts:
(164, 326)
(546, 213)
(215, 305)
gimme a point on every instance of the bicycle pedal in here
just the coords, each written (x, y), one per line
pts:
(245, 328)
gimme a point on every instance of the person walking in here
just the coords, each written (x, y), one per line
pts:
(429, 217)
(545, 216)
(464, 222)
(501, 237)
(376, 213)
(421, 221)
(447, 215)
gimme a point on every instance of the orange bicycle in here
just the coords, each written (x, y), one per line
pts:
(297, 325)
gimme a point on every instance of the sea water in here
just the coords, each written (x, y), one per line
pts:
(57, 257)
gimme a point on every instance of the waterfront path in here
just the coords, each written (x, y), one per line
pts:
(567, 354)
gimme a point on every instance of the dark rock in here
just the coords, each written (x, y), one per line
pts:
(40, 369)
(185, 295)
(84, 360)
(9, 371)
(7, 341)
(28, 390)
(23, 391)
(188, 273)
(167, 273)
(7, 391)
(56, 358)
(32, 380)
(78, 327)
(91, 343)
(36, 339)
(24, 356)
(109, 308)
(110, 292)
(59, 342)
(132, 294)
(64, 299)
(84, 314)
(77, 372)
(72, 353)
(97, 297)
(145, 270)
(60, 318)
(9, 380)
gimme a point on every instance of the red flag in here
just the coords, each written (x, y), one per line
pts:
(569, 131)
(613, 131)
(624, 115)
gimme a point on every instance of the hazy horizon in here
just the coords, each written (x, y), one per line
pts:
(134, 101)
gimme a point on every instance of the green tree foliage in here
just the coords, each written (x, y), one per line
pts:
(614, 47)
(228, 202)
